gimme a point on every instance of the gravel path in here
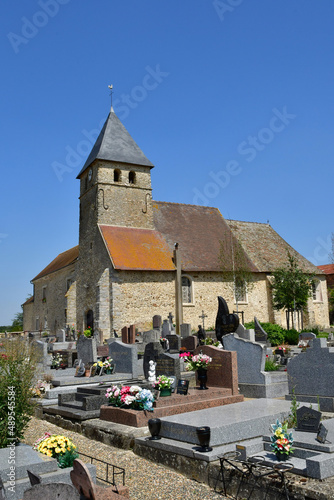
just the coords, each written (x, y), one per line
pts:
(146, 480)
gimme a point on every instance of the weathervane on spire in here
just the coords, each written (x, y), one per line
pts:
(110, 87)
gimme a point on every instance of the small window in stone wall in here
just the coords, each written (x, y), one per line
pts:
(186, 290)
(132, 177)
(117, 175)
(316, 291)
(240, 290)
(44, 294)
(69, 282)
(37, 323)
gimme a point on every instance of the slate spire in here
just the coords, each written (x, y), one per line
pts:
(116, 144)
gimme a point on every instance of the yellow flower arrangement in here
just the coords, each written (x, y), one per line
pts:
(54, 445)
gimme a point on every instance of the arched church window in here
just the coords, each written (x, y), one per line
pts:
(117, 175)
(187, 292)
(132, 177)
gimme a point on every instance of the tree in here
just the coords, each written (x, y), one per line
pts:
(236, 268)
(17, 324)
(291, 289)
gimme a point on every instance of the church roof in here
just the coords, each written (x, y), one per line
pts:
(199, 231)
(62, 260)
(137, 249)
(266, 248)
(115, 144)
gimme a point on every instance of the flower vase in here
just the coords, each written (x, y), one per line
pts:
(281, 457)
(203, 435)
(154, 425)
(202, 376)
(165, 392)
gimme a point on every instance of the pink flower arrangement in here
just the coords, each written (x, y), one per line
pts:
(193, 363)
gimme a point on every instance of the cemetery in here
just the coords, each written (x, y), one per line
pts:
(202, 403)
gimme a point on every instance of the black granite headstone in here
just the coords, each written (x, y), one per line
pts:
(152, 351)
(174, 342)
(308, 420)
(166, 364)
(225, 322)
(260, 334)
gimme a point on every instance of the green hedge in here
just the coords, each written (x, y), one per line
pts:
(278, 335)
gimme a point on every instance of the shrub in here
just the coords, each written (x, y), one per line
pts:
(18, 361)
(291, 337)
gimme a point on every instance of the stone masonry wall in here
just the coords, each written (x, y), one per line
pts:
(51, 312)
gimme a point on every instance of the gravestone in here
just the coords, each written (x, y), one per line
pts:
(124, 332)
(125, 357)
(51, 491)
(245, 334)
(167, 364)
(152, 351)
(174, 342)
(223, 370)
(185, 330)
(87, 350)
(305, 337)
(260, 334)
(61, 335)
(308, 420)
(44, 357)
(166, 329)
(132, 334)
(157, 322)
(225, 322)
(311, 375)
(151, 336)
(254, 382)
(190, 343)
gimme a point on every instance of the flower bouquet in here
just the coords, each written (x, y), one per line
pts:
(59, 447)
(39, 389)
(99, 366)
(197, 362)
(56, 361)
(131, 397)
(108, 365)
(281, 440)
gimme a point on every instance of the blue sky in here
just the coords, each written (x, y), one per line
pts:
(231, 100)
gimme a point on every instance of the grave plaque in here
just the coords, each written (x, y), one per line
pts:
(182, 387)
(322, 434)
(225, 322)
(308, 420)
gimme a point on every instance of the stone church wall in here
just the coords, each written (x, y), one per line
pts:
(49, 312)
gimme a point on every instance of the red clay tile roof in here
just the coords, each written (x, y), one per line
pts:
(198, 230)
(62, 260)
(137, 249)
(266, 248)
(327, 268)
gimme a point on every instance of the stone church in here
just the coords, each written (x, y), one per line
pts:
(124, 269)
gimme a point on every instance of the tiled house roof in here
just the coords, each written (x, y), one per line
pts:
(62, 260)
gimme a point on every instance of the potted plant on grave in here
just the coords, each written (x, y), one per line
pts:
(88, 333)
(281, 441)
(56, 361)
(164, 385)
(199, 363)
(109, 366)
(59, 447)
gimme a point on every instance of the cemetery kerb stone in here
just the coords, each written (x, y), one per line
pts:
(87, 350)
(223, 371)
(125, 357)
(311, 375)
(254, 382)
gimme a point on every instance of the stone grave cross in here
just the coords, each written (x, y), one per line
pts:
(202, 318)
